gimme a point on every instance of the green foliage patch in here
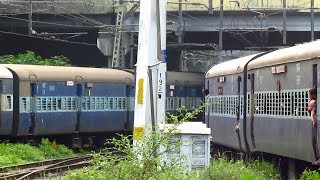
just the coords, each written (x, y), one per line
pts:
(222, 168)
(11, 154)
(30, 57)
(144, 160)
(310, 175)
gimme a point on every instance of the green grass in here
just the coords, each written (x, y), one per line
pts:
(222, 168)
(11, 154)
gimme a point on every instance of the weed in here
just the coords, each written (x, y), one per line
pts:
(18, 153)
(310, 175)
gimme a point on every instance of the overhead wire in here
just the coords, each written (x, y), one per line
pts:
(48, 39)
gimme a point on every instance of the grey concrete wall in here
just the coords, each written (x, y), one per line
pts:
(58, 6)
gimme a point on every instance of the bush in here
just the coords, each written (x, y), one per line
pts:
(56, 151)
(310, 175)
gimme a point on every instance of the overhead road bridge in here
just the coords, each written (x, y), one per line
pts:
(192, 24)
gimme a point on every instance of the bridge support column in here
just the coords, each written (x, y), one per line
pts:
(292, 169)
(105, 44)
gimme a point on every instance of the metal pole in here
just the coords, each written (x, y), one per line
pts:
(162, 69)
(182, 63)
(131, 50)
(210, 7)
(180, 23)
(221, 26)
(158, 30)
(312, 20)
(30, 20)
(284, 32)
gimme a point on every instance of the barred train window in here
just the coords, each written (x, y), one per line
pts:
(7, 102)
(226, 105)
(104, 103)
(284, 103)
(170, 103)
(24, 104)
(50, 104)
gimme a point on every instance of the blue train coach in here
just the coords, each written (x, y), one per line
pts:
(68, 100)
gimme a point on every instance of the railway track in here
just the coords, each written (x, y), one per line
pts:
(37, 169)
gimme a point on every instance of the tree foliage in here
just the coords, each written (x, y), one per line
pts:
(30, 57)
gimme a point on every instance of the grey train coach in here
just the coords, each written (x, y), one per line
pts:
(259, 102)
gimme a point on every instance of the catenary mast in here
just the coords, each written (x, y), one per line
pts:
(148, 104)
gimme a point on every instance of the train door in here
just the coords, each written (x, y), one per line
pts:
(238, 111)
(33, 93)
(315, 130)
(79, 95)
(252, 109)
(76, 139)
(207, 112)
(127, 113)
(1, 108)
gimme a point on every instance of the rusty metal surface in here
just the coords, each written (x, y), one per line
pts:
(32, 170)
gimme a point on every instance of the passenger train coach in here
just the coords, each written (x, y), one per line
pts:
(76, 104)
(259, 102)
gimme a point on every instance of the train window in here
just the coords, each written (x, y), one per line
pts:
(74, 103)
(115, 104)
(124, 103)
(43, 104)
(170, 104)
(84, 103)
(102, 104)
(38, 104)
(69, 104)
(179, 103)
(24, 104)
(64, 103)
(9, 102)
(55, 104)
(119, 104)
(59, 104)
(97, 103)
(111, 103)
(285, 103)
(49, 104)
(193, 92)
(106, 104)
(92, 103)
(224, 105)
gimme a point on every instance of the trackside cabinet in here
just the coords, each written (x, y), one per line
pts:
(190, 145)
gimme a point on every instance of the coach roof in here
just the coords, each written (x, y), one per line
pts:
(286, 55)
(184, 78)
(5, 73)
(58, 73)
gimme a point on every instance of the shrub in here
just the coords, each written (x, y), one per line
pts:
(54, 151)
(310, 175)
